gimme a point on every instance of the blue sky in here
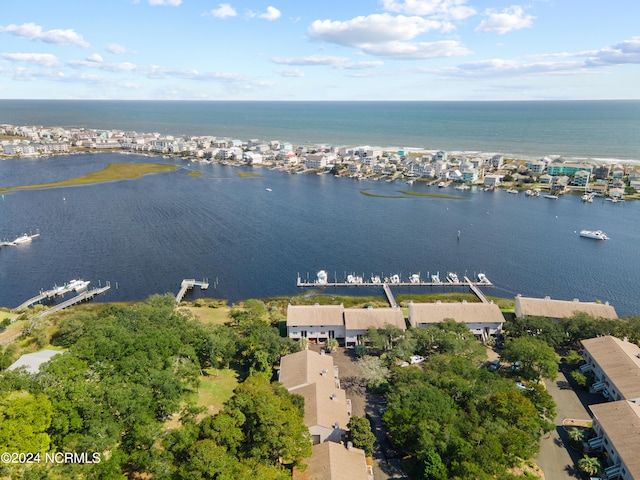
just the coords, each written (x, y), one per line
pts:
(321, 50)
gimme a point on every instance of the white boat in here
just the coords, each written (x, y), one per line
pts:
(24, 238)
(436, 278)
(81, 286)
(452, 277)
(268, 190)
(376, 279)
(551, 196)
(321, 277)
(462, 187)
(512, 190)
(442, 184)
(482, 278)
(354, 279)
(395, 278)
(414, 278)
(529, 193)
(595, 234)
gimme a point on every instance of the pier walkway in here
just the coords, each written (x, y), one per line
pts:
(389, 294)
(88, 295)
(188, 284)
(44, 295)
(476, 290)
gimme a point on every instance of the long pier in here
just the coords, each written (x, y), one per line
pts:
(88, 295)
(476, 290)
(45, 295)
(188, 284)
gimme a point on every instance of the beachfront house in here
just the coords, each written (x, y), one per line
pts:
(581, 178)
(558, 309)
(483, 319)
(470, 175)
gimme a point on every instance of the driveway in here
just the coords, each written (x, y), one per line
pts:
(386, 463)
(556, 459)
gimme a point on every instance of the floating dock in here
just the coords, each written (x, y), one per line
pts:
(46, 295)
(188, 284)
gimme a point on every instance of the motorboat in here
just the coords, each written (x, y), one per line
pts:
(551, 196)
(595, 234)
(436, 278)
(354, 279)
(529, 193)
(414, 278)
(321, 277)
(512, 190)
(395, 278)
(442, 185)
(452, 277)
(376, 279)
(482, 278)
(24, 238)
(268, 190)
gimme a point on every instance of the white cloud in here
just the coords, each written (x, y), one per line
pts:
(450, 9)
(625, 52)
(95, 57)
(224, 10)
(170, 3)
(511, 18)
(117, 49)
(32, 31)
(376, 28)
(291, 72)
(339, 63)
(417, 50)
(42, 59)
(271, 14)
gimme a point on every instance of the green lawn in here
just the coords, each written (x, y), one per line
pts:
(216, 387)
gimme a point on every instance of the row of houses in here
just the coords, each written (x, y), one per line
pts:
(327, 412)
(319, 323)
(615, 367)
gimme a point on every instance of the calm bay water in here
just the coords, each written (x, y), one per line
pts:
(149, 234)
(600, 129)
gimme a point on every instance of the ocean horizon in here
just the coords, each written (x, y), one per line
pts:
(604, 130)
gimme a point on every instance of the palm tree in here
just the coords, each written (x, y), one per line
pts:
(576, 435)
(589, 465)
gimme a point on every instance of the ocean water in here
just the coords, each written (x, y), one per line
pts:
(580, 129)
(146, 235)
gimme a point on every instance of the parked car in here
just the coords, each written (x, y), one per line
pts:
(415, 359)
(493, 366)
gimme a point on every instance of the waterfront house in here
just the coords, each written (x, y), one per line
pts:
(492, 181)
(483, 319)
(581, 178)
(602, 172)
(618, 172)
(318, 323)
(316, 160)
(615, 366)
(617, 429)
(546, 179)
(568, 168)
(358, 321)
(557, 309)
(536, 166)
(497, 161)
(469, 175)
(334, 461)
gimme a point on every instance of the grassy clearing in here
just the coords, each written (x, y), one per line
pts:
(369, 194)
(115, 171)
(248, 174)
(194, 174)
(207, 315)
(216, 387)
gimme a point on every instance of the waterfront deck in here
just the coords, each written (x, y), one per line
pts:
(44, 295)
(188, 284)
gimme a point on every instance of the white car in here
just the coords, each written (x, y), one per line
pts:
(415, 359)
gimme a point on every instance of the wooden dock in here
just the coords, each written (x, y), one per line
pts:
(476, 290)
(88, 295)
(188, 284)
(44, 295)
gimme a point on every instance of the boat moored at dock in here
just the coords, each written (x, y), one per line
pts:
(594, 234)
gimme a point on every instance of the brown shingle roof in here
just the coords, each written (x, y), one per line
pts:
(324, 405)
(619, 361)
(621, 423)
(546, 307)
(305, 367)
(332, 461)
(317, 315)
(364, 318)
(460, 312)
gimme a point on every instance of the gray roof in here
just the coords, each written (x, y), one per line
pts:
(621, 423)
(365, 318)
(546, 307)
(32, 361)
(619, 361)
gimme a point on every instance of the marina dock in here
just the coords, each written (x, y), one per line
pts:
(396, 281)
(188, 284)
(88, 295)
(45, 295)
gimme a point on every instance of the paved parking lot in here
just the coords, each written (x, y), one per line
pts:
(556, 459)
